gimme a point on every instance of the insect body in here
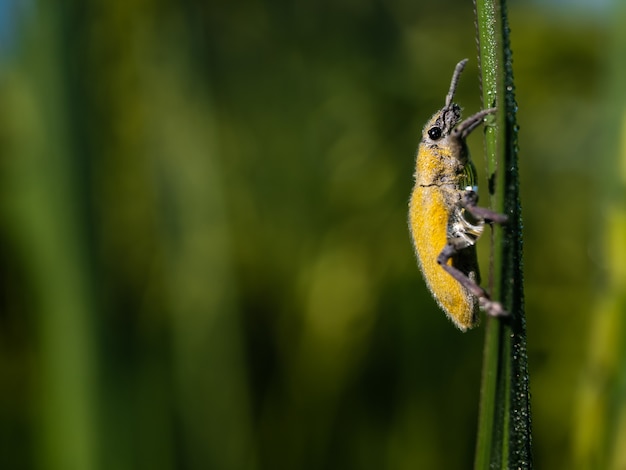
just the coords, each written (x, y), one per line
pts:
(444, 220)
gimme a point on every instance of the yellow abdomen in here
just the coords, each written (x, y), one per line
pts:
(428, 221)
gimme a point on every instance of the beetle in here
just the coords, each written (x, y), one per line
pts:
(444, 219)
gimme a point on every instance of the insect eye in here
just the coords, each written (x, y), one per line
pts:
(434, 133)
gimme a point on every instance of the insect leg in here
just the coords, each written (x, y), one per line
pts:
(469, 201)
(491, 307)
(466, 127)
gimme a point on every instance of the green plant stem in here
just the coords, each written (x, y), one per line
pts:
(504, 430)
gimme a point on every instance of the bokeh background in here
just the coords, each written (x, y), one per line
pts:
(204, 255)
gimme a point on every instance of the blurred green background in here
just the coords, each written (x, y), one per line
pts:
(205, 261)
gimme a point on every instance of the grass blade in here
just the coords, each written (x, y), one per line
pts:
(504, 432)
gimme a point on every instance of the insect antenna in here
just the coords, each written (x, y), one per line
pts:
(455, 81)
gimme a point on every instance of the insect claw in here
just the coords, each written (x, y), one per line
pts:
(498, 218)
(493, 308)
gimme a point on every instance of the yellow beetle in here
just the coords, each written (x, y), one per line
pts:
(444, 220)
